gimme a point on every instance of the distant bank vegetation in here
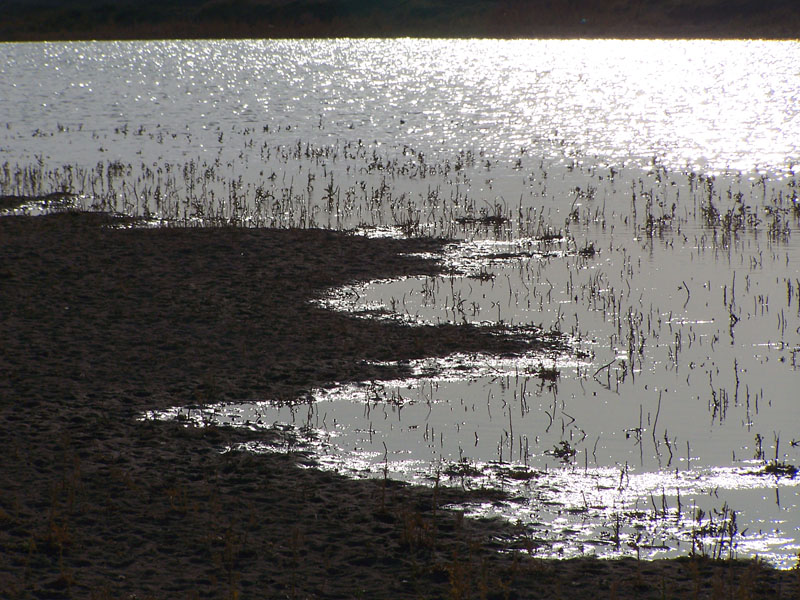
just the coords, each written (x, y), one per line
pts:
(154, 19)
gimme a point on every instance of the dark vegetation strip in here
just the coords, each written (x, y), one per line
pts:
(129, 19)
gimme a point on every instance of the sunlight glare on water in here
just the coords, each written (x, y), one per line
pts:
(696, 102)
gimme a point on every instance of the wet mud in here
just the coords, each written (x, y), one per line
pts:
(101, 323)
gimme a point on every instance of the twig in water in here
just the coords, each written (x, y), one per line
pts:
(604, 367)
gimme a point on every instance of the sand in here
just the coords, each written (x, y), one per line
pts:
(100, 323)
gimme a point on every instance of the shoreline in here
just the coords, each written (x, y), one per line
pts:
(192, 34)
(100, 324)
(496, 19)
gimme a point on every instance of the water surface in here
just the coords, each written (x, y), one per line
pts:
(637, 198)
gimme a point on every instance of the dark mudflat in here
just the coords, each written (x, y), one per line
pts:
(98, 324)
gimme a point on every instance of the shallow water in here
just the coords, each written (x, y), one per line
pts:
(638, 198)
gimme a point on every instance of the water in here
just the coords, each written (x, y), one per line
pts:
(639, 199)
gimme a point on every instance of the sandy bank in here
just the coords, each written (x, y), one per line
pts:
(98, 324)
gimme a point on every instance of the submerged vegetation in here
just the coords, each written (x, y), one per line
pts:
(527, 269)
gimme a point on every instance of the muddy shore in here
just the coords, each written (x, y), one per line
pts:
(99, 323)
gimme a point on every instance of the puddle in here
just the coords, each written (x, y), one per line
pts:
(649, 436)
(571, 502)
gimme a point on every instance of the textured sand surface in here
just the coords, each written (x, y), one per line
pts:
(98, 324)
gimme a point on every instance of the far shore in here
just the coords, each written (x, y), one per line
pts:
(497, 19)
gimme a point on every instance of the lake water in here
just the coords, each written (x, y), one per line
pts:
(637, 198)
